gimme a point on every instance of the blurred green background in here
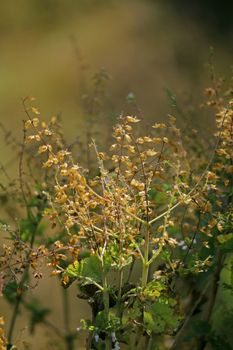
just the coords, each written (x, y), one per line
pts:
(51, 49)
(145, 46)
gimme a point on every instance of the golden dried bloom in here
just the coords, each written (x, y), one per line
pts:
(151, 153)
(28, 124)
(114, 146)
(35, 111)
(2, 340)
(147, 139)
(172, 120)
(128, 128)
(47, 132)
(128, 138)
(172, 242)
(35, 122)
(221, 152)
(211, 176)
(140, 140)
(159, 126)
(48, 163)
(130, 119)
(231, 103)
(52, 160)
(55, 272)
(130, 148)
(102, 155)
(61, 198)
(157, 139)
(53, 120)
(138, 185)
(33, 138)
(44, 148)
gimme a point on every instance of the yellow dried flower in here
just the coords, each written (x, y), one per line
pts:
(130, 119)
(44, 148)
(159, 126)
(27, 124)
(151, 153)
(35, 122)
(34, 110)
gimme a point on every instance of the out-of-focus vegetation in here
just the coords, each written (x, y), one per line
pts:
(167, 283)
(145, 46)
(213, 16)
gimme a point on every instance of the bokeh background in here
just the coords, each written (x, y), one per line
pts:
(51, 49)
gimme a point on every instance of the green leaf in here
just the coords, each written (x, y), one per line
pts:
(87, 325)
(113, 260)
(225, 238)
(149, 322)
(101, 321)
(73, 270)
(28, 227)
(10, 292)
(227, 286)
(89, 267)
(133, 313)
(199, 329)
(161, 317)
(226, 241)
(153, 290)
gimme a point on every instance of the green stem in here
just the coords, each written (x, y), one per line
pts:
(119, 308)
(145, 273)
(19, 297)
(13, 319)
(146, 265)
(66, 311)
(203, 341)
(69, 337)
(155, 255)
(69, 342)
(108, 343)
(150, 343)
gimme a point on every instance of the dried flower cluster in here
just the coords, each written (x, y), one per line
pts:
(144, 201)
(116, 206)
(2, 335)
